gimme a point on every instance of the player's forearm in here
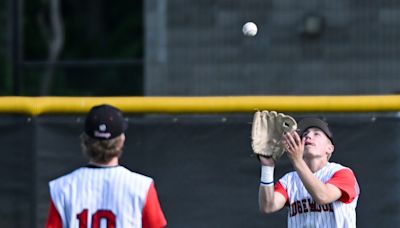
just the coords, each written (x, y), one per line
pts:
(266, 199)
(266, 191)
(317, 189)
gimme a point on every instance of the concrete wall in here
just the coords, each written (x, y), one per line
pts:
(197, 48)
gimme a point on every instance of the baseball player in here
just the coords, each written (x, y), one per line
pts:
(318, 193)
(104, 194)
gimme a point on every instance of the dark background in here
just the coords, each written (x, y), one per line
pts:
(101, 51)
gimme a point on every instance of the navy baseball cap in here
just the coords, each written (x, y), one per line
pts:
(105, 122)
(307, 123)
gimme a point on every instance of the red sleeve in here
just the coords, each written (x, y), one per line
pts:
(279, 188)
(345, 180)
(54, 218)
(153, 217)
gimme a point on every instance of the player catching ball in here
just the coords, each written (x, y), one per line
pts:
(104, 193)
(318, 193)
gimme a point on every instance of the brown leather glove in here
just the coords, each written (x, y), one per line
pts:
(267, 130)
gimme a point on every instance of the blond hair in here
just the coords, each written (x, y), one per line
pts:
(101, 151)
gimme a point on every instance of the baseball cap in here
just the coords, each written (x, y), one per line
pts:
(307, 123)
(105, 122)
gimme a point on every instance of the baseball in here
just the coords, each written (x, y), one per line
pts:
(249, 29)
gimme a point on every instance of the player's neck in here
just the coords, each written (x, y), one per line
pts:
(112, 162)
(316, 164)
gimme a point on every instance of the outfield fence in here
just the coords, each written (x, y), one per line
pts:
(199, 158)
(219, 104)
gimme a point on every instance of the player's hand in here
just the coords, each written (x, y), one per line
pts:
(294, 146)
(266, 161)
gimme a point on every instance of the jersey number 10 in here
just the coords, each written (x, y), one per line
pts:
(96, 218)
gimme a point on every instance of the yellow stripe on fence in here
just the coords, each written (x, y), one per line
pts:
(217, 104)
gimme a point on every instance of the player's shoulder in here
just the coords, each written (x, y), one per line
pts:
(134, 175)
(333, 166)
(66, 177)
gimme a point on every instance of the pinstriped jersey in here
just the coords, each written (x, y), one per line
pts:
(104, 197)
(305, 212)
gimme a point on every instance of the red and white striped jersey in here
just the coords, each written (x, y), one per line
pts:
(305, 212)
(104, 197)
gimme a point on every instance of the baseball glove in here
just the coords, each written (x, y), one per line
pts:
(267, 130)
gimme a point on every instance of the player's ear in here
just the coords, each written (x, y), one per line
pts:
(330, 148)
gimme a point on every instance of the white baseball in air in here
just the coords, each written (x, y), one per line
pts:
(249, 29)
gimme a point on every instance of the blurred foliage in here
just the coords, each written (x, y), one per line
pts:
(93, 30)
(5, 78)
